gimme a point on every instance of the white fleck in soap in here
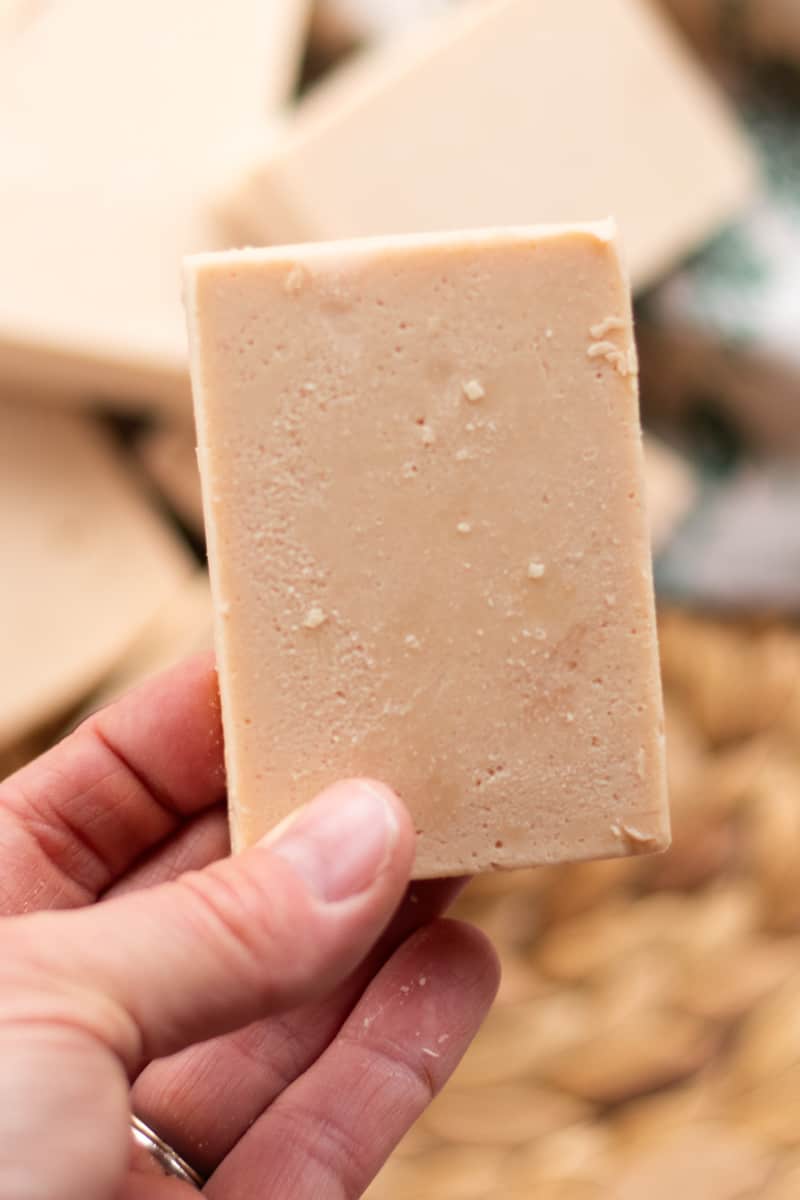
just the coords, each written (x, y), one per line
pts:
(399, 609)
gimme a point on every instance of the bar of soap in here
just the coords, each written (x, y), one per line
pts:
(430, 562)
(114, 121)
(86, 563)
(506, 113)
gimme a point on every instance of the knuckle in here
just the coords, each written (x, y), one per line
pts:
(40, 987)
(19, 965)
(331, 1154)
(342, 1146)
(279, 1050)
(241, 923)
(393, 1088)
(31, 959)
(397, 1067)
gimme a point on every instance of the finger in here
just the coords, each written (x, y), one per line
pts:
(75, 819)
(145, 1179)
(143, 1186)
(201, 841)
(64, 1131)
(151, 972)
(205, 1098)
(331, 1131)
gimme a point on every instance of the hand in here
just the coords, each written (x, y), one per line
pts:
(280, 1018)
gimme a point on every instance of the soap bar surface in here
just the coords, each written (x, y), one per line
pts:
(505, 113)
(422, 474)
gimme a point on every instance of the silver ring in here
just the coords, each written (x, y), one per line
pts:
(168, 1160)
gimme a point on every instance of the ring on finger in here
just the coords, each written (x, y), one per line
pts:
(162, 1154)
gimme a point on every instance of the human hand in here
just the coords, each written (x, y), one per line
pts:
(280, 1018)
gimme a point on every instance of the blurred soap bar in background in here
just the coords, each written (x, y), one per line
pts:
(755, 28)
(509, 112)
(181, 626)
(723, 332)
(86, 563)
(114, 121)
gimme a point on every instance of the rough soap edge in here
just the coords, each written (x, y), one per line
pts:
(197, 374)
(662, 843)
(604, 231)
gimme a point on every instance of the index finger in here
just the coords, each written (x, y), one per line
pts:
(75, 819)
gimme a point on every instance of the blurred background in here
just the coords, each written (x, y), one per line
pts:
(646, 1040)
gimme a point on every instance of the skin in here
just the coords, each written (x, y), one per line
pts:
(281, 1018)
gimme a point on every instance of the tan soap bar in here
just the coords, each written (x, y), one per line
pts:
(422, 473)
(86, 562)
(115, 119)
(508, 112)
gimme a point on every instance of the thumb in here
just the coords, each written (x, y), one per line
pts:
(148, 973)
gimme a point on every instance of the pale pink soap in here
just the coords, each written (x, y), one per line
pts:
(422, 473)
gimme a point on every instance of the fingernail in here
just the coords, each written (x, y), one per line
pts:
(340, 842)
